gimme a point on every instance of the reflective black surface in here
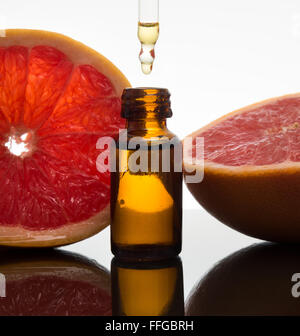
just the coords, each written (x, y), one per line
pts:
(52, 282)
(220, 272)
(262, 279)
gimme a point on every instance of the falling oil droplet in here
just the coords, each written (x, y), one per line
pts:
(148, 35)
(147, 56)
(146, 68)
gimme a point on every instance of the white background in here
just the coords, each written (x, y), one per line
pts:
(213, 55)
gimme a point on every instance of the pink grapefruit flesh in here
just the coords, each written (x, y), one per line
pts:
(57, 98)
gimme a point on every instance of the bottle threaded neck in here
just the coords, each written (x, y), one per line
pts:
(145, 102)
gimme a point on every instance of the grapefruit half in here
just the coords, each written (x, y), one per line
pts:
(252, 169)
(57, 98)
(54, 283)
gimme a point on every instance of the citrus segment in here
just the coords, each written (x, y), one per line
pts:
(48, 73)
(78, 150)
(13, 74)
(79, 194)
(88, 90)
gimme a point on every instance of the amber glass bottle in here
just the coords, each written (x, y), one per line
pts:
(146, 188)
(153, 288)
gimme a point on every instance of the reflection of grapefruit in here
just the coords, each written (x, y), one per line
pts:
(57, 97)
(252, 169)
(256, 280)
(54, 283)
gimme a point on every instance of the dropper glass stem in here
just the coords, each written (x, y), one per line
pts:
(148, 11)
(148, 32)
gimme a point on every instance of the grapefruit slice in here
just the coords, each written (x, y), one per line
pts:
(57, 98)
(252, 169)
(54, 283)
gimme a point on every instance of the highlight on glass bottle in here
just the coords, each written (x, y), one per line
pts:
(147, 288)
(148, 31)
(146, 186)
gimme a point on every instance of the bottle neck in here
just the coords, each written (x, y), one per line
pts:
(146, 110)
(146, 124)
(146, 128)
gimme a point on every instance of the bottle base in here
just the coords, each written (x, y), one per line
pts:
(145, 252)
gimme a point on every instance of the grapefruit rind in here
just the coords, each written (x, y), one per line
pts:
(67, 234)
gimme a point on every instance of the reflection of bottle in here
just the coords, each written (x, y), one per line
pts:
(257, 280)
(147, 288)
(53, 283)
(146, 189)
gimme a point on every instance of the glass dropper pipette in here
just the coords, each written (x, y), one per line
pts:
(148, 31)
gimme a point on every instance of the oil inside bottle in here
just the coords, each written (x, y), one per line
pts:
(148, 35)
(146, 208)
